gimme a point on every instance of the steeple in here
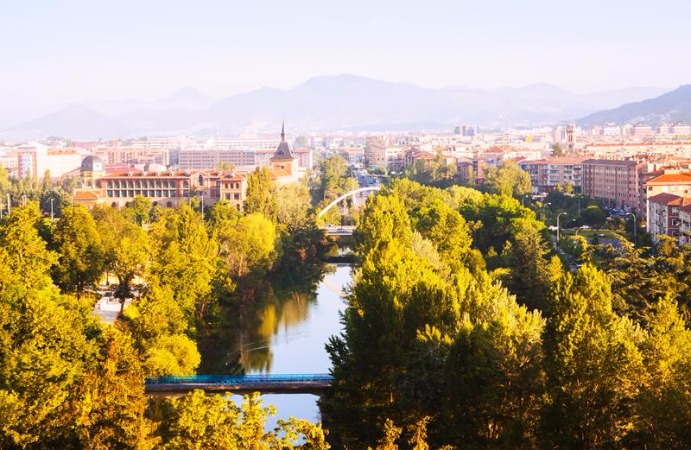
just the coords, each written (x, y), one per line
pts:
(283, 151)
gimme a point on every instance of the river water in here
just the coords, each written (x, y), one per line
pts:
(288, 337)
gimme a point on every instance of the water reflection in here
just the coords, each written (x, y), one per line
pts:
(284, 332)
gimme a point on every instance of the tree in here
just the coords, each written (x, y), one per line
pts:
(664, 416)
(127, 248)
(81, 254)
(508, 179)
(531, 276)
(140, 208)
(25, 254)
(293, 205)
(557, 150)
(261, 195)
(592, 365)
(110, 401)
(333, 177)
(199, 421)
(594, 216)
(248, 244)
(225, 166)
(185, 259)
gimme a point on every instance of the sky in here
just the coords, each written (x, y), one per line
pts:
(63, 51)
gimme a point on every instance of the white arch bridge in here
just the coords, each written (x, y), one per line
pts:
(354, 194)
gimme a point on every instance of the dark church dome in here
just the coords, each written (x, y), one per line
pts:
(92, 164)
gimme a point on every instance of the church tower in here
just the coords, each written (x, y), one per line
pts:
(570, 143)
(283, 163)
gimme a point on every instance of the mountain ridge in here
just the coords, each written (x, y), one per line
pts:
(327, 103)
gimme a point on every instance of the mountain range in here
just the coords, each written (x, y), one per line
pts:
(326, 103)
(670, 107)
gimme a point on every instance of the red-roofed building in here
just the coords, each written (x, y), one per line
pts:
(164, 188)
(663, 213)
(546, 174)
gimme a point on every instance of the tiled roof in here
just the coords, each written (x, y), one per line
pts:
(85, 195)
(670, 199)
(672, 178)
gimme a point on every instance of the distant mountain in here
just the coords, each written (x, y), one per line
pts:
(669, 107)
(72, 122)
(338, 102)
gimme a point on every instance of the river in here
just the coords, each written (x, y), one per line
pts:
(286, 334)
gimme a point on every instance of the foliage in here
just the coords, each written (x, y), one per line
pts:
(592, 363)
(198, 421)
(508, 179)
(81, 254)
(261, 193)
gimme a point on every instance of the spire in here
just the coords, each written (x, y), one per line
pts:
(283, 131)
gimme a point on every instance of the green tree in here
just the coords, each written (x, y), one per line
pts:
(293, 205)
(140, 209)
(594, 216)
(664, 415)
(199, 421)
(185, 259)
(557, 150)
(508, 179)
(110, 401)
(81, 254)
(225, 166)
(261, 193)
(592, 364)
(25, 254)
(531, 275)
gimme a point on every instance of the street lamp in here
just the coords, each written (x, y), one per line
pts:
(51, 209)
(558, 215)
(634, 227)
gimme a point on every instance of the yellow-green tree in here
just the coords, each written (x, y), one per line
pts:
(80, 251)
(592, 363)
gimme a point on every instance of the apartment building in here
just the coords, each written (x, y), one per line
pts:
(547, 174)
(612, 181)
(685, 224)
(664, 214)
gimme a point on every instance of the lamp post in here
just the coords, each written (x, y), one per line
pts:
(634, 227)
(558, 215)
(51, 209)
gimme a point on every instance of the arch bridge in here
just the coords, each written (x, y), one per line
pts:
(352, 194)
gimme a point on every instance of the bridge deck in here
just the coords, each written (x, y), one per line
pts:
(275, 384)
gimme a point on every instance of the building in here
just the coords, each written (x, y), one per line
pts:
(664, 214)
(170, 187)
(353, 155)
(165, 188)
(685, 224)
(612, 181)
(283, 164)
(570, 143)
(547, 174)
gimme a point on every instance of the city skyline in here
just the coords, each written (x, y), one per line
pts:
(77, 51)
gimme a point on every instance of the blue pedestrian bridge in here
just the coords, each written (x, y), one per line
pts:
(315, 383)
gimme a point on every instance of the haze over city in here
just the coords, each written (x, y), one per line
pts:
(58, 53)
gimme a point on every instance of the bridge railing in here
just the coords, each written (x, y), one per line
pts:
(243, 379)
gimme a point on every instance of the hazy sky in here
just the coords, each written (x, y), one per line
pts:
(74, 50)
